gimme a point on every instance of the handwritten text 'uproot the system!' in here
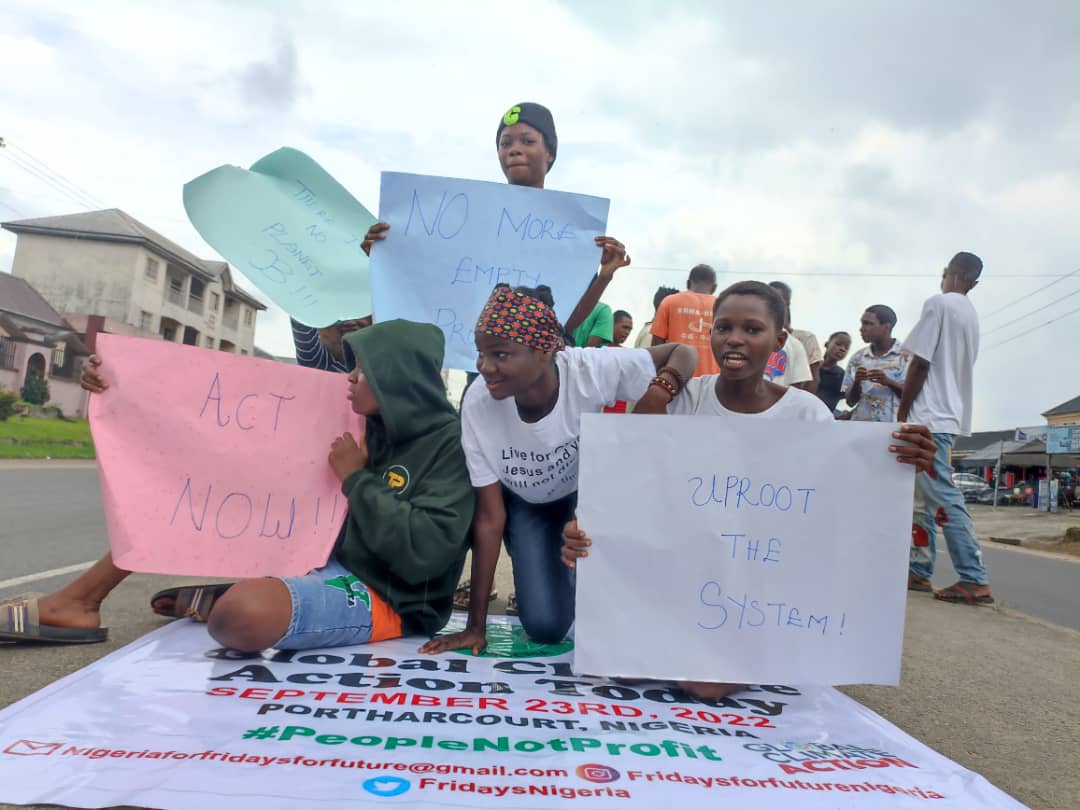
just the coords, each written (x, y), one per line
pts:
(451, 241)
(216, 465)
(756, 550)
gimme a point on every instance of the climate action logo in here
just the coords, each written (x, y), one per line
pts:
(597, 773)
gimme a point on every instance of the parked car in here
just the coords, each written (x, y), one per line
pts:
(972, 486)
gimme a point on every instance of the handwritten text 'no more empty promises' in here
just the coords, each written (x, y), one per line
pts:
(452, 241)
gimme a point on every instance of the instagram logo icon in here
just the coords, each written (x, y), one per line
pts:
(597, 773)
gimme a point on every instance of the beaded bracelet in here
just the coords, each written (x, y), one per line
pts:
(674, 373)
(660, 382)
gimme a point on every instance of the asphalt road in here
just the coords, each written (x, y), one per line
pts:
(52, 519)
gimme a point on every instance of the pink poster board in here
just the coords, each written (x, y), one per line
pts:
(216, 465)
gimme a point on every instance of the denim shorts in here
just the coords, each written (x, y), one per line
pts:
(332, 607)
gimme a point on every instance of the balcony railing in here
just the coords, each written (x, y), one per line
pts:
(231, 319)
(195, 304)
(174, 296)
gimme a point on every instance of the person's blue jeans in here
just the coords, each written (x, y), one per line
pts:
(938, 502)
(543, 584)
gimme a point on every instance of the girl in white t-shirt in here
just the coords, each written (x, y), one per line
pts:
(520, 432)
(748, 326)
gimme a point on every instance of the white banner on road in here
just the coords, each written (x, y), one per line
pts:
(172, 722)
(756, 550)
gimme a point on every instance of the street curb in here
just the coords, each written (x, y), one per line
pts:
(1009, 541)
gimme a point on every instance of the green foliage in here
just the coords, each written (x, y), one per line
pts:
(9, 404)
(31, 437)
(35, 390)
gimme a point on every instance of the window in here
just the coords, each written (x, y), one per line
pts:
(146, 320)
(151, 271)
(58, 359)
(249, 316)
(215, 300)
(208, 342)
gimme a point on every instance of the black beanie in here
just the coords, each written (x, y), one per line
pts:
(536, 116)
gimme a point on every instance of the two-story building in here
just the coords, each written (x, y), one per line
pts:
(35, 339)
(1067, 413)
(106, 266)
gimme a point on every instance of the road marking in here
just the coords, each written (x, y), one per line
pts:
(55, 572)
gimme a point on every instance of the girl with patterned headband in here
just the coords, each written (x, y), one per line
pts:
(520, 432)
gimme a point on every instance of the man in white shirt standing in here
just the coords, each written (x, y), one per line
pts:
(938, 393)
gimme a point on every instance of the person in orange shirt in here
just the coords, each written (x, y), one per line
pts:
(686, 317)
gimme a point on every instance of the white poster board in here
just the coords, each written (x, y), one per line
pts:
(756, 551)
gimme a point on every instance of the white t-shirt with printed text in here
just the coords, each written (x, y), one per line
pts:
(699, 399)
(539, 460)
(946, 336)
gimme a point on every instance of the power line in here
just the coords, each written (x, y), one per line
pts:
(1028, 315)
(33, 172)
(818, 274)
(1033, 292)
(1032, 329)
(53, 173)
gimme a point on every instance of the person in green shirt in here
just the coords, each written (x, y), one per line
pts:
(598, 328)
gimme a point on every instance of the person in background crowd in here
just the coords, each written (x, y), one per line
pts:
(788, 366)
(685, 317)
(322, 348)
(831, 376)
(875, 375)
(809, 341)
(597, 330)
(624, 325)
(938, 393)
(644, 338)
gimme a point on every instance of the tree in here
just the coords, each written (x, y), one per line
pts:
(8, 404)
(35, 390)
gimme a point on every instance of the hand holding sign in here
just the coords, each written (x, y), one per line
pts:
(292, 229)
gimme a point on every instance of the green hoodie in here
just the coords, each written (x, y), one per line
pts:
(411, 507)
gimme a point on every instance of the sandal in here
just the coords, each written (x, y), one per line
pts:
(20, 622)
(917, 583)
(463, 592)
(963, 593)
(189, 601)
(512, 605)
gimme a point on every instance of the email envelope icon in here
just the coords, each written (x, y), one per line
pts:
(31, 748)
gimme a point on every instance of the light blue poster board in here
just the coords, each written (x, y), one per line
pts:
(292, 229)
(451, 241)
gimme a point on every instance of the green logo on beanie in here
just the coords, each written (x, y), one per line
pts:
(512, 116)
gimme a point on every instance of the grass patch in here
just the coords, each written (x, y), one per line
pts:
(31, 437)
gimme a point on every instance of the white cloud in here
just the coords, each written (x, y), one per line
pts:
(765, 138)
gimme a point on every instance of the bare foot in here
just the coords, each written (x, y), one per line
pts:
(704, 690)
(55, 610)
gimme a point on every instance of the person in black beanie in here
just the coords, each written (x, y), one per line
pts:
(527, 144)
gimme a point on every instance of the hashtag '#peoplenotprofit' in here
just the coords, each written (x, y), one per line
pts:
(261, 733)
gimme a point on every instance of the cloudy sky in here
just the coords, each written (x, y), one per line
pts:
(847, 148)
